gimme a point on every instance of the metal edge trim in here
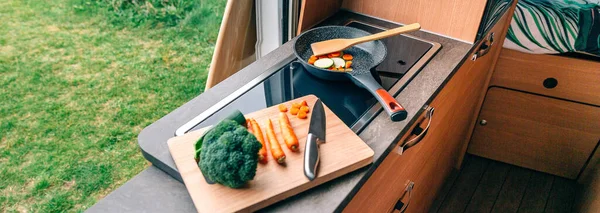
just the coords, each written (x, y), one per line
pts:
(258, 29)
(185, 128)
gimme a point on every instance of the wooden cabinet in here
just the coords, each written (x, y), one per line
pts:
(457, 19)
(589, 191)
(536, 132)
(549, 119)
(429, 162)
(388, 183)
(550, 75)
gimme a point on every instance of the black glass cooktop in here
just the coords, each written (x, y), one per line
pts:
(345, 99)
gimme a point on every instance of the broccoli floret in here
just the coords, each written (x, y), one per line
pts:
(236, 116)
(229, 154)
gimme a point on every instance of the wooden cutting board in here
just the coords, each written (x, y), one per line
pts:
(343, 152)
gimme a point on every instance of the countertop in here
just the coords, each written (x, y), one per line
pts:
(154, 191)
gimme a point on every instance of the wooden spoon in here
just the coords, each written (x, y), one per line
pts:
(334, 45)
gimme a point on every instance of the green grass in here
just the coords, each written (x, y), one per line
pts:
(78, 82)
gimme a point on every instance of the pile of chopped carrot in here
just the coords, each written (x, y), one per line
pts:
(299, 109)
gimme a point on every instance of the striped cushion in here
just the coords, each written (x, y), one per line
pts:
(555, 26)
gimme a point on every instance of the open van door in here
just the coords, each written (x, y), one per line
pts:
(235, 44)
(249, 30)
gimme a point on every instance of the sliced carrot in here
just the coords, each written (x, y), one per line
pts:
(331, 68)
(313, 57)
(304, 109)
(296, 105)
(276, 150)
(294, 110)
(289, 137)
(311, 60)
(335, 54)
(303, 103)
(282, 108)
(348, 64)
(321, 56)
(302, 115)
(262, 153)
(347, 57)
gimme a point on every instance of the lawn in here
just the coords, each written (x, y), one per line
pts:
(78, 82)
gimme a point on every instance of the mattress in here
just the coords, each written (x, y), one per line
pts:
(555, 26)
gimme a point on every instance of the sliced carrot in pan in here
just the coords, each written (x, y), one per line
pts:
(347, 57)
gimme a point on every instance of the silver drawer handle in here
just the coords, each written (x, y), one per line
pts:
(401, 207)
(416, 140)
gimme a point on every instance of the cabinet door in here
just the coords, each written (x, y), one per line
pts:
(388, 183)
(428, 163)
(536, 132)
(455, 112)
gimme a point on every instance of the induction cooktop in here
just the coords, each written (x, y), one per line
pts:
(353, 105)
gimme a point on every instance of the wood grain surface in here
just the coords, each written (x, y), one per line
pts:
(506, 188)
(588, 200)
(457, 19)
(343, 152)
(589, 193)
(313, 12)
(499, 30)
(543, 134)
(578, 80)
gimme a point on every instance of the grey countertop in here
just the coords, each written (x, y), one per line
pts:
(154, 191)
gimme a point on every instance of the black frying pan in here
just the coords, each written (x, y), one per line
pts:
(366, 56)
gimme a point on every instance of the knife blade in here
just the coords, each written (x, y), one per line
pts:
(316, 135)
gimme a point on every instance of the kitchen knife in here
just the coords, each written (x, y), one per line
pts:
(316, 135)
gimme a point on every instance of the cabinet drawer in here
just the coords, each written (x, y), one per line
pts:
(555, 76)
(536, 132)
(388, 184)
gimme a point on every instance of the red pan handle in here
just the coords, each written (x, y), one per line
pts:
(387, 101)
(392, 107)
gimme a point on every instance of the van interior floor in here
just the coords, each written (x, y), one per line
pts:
(485, 185)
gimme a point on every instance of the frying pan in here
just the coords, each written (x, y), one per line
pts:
(366, 56)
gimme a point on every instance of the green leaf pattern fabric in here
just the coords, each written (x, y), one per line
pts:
(555, 26)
